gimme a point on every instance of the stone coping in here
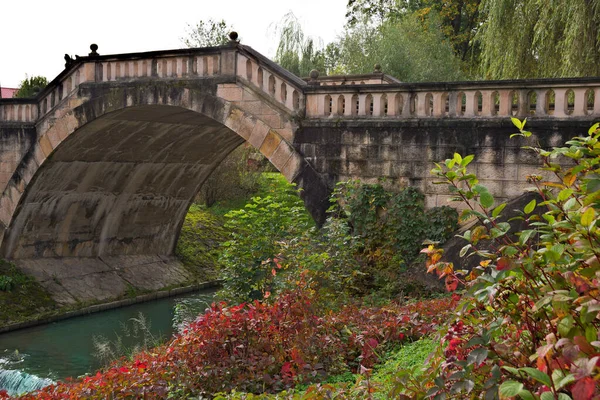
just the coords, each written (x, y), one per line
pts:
(161, 294)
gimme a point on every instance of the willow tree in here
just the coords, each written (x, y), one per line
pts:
(540, 38)
(297, 52)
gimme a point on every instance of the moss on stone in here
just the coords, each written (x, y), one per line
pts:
(197, 248)
(26, 298)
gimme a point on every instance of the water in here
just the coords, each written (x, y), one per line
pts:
(35, 357)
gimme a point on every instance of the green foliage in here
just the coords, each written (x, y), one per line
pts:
(411, 48)
(237, 176)
(531, 305)
(392, 226)
(540, 39)
(247, 258)
(136, 336)
(296, 52)
(6, 283)
(207, 33)
(30, 87)
(21, 297)
(200, 237)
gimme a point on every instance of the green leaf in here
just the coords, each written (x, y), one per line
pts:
(570, 203)
(564, 194)
(588, 217)
(547, 396)
(477, 356)
(467, 160)
(498, 210)
(464, 250)
(510, 389)
(538, 375)
(457, 158)
(525, 235)
(593, 128)
(486, 199)
(526, 395)
(530, 206)
(516, 122)
(565, 325)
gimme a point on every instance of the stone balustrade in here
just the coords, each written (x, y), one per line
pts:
(275, 84)
(557, 98)
(380, 96)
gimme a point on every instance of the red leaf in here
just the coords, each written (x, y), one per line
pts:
(502, 264)
(584, 389)
(451, 283)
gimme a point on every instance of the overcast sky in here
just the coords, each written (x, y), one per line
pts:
(36, 34)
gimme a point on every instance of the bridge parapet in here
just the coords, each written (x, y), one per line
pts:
(271, 80)
(547, 98)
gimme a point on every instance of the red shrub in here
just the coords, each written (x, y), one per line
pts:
(256, 348)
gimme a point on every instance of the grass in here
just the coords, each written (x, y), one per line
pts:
(24, 299)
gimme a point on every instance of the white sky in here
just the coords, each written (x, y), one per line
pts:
(36, 34)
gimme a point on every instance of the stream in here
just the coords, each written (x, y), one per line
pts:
(36, 357)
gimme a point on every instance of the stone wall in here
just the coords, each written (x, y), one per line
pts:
(401, 153)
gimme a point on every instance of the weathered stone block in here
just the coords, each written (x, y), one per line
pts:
(270, 144)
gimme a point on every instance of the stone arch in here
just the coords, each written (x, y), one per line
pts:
(110, 122)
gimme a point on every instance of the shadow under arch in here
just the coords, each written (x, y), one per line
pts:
(116, 175)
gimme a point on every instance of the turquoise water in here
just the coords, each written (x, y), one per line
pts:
(34, 357)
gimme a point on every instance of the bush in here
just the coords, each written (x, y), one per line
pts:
(529, 326)
(248, 259)
(259, 348)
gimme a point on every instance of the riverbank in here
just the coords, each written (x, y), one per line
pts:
(91, 309)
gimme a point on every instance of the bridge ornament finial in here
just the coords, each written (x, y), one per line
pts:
(233, 37)
(314, 75)
(377, 69)
(94, 53)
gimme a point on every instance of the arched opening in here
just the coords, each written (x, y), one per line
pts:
(461, 104)
(445, 103)
(550, 102)
(341, 105)
(399, 104)
(478, 106)
(531, 102)
(495, 103)
(118, 186)
(514, 103)
(429, 104)
(283, 92)
(327, 105)
(296, 100)
(569, 102)
(272, 85)
(355, 104)
(590, 101)
(259, 77)
(414, 98)
(369, 105)
(383, 108)
(249, 70)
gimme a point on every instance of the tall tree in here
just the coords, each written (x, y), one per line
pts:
(409, 48)
(30, 87)
(207, 33)
(296, 52)
(540, 38)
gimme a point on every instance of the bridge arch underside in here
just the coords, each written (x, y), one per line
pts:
(105, 209)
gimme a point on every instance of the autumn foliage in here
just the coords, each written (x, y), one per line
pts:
(258, 347)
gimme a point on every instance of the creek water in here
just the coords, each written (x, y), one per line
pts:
(35, 357)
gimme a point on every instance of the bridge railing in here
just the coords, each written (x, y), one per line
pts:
(270, 79)
(185, 63)
(556, 98)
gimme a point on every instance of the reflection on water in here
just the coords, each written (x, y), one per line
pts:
(65, 348)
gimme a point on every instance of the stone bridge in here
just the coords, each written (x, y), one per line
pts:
(97, 172)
